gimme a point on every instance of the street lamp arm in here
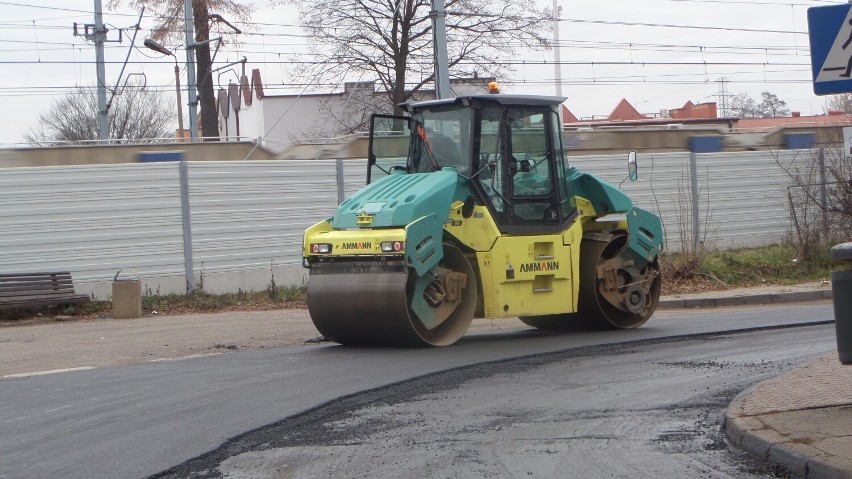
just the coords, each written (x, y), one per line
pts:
(204, 42)
(153, 45)
(218, 18)
(243, 61)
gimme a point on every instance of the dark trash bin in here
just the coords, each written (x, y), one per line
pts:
(841, 291)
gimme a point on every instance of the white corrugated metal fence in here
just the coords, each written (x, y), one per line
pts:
(248, 217)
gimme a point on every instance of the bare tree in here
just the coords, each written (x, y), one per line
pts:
(820, 197)
(391, 40)
(136, 113)
(841, 102)
(770, 106)
(743, 106)
(171, 27)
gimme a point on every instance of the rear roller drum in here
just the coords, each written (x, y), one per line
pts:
(614, 293)
(622, 295)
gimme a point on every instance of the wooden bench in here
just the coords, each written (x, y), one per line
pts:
(31, 290)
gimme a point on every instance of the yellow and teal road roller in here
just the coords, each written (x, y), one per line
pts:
(472, 210)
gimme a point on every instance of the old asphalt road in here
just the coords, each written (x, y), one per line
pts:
(138, 420)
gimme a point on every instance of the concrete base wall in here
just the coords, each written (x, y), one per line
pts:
(115, 154)
(214, 283)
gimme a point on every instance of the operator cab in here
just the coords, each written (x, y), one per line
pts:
(508, 146)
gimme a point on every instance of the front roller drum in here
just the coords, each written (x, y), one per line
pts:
(372, 305)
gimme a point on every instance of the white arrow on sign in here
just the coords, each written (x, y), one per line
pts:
(838, 63)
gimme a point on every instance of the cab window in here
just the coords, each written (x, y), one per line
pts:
(491, 172)
(442, 138)
(567, 204)
(529, 164)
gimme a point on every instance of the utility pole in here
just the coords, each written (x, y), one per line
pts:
(97, 33)
(99, 37)
(557, 62)
(439, 42)
(192, 93)
(723, 98)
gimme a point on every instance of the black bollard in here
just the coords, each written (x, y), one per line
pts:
(841, 291)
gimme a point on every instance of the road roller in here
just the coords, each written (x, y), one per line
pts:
(471, 209)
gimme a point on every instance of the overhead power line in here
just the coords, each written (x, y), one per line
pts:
(315, 59)
(688, 27)
(778, 56)
(505, 62)
(753, 3)
(44, 7)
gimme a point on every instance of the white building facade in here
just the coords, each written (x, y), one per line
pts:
(280, 121)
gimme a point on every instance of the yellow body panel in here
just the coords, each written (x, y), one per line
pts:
(531, 275)
(350, 242)
(523, 275)
(479, 232)
(584, 206)
(589, 217)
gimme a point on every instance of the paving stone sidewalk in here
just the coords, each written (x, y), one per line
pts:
(801, 420)
(770, 294)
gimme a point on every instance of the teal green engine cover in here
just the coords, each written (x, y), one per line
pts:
(645, 228)
(605, 198)
(646, 233)
(420, 203)
(398, 199)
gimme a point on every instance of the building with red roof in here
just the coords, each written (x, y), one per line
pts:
(625, 128)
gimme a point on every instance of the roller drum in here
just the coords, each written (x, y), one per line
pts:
(369, 303)
(367, 308)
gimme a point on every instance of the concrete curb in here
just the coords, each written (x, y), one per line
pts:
(746, 300)
(750, 434)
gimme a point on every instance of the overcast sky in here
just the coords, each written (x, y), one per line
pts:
(657, 54)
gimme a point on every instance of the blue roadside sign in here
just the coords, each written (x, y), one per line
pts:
(830, 32)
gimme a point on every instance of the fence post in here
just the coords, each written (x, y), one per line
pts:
(696, 224)
(340, 190)
(823, 199)
(187, 227)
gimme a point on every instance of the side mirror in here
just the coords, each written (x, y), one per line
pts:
(632, 168)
